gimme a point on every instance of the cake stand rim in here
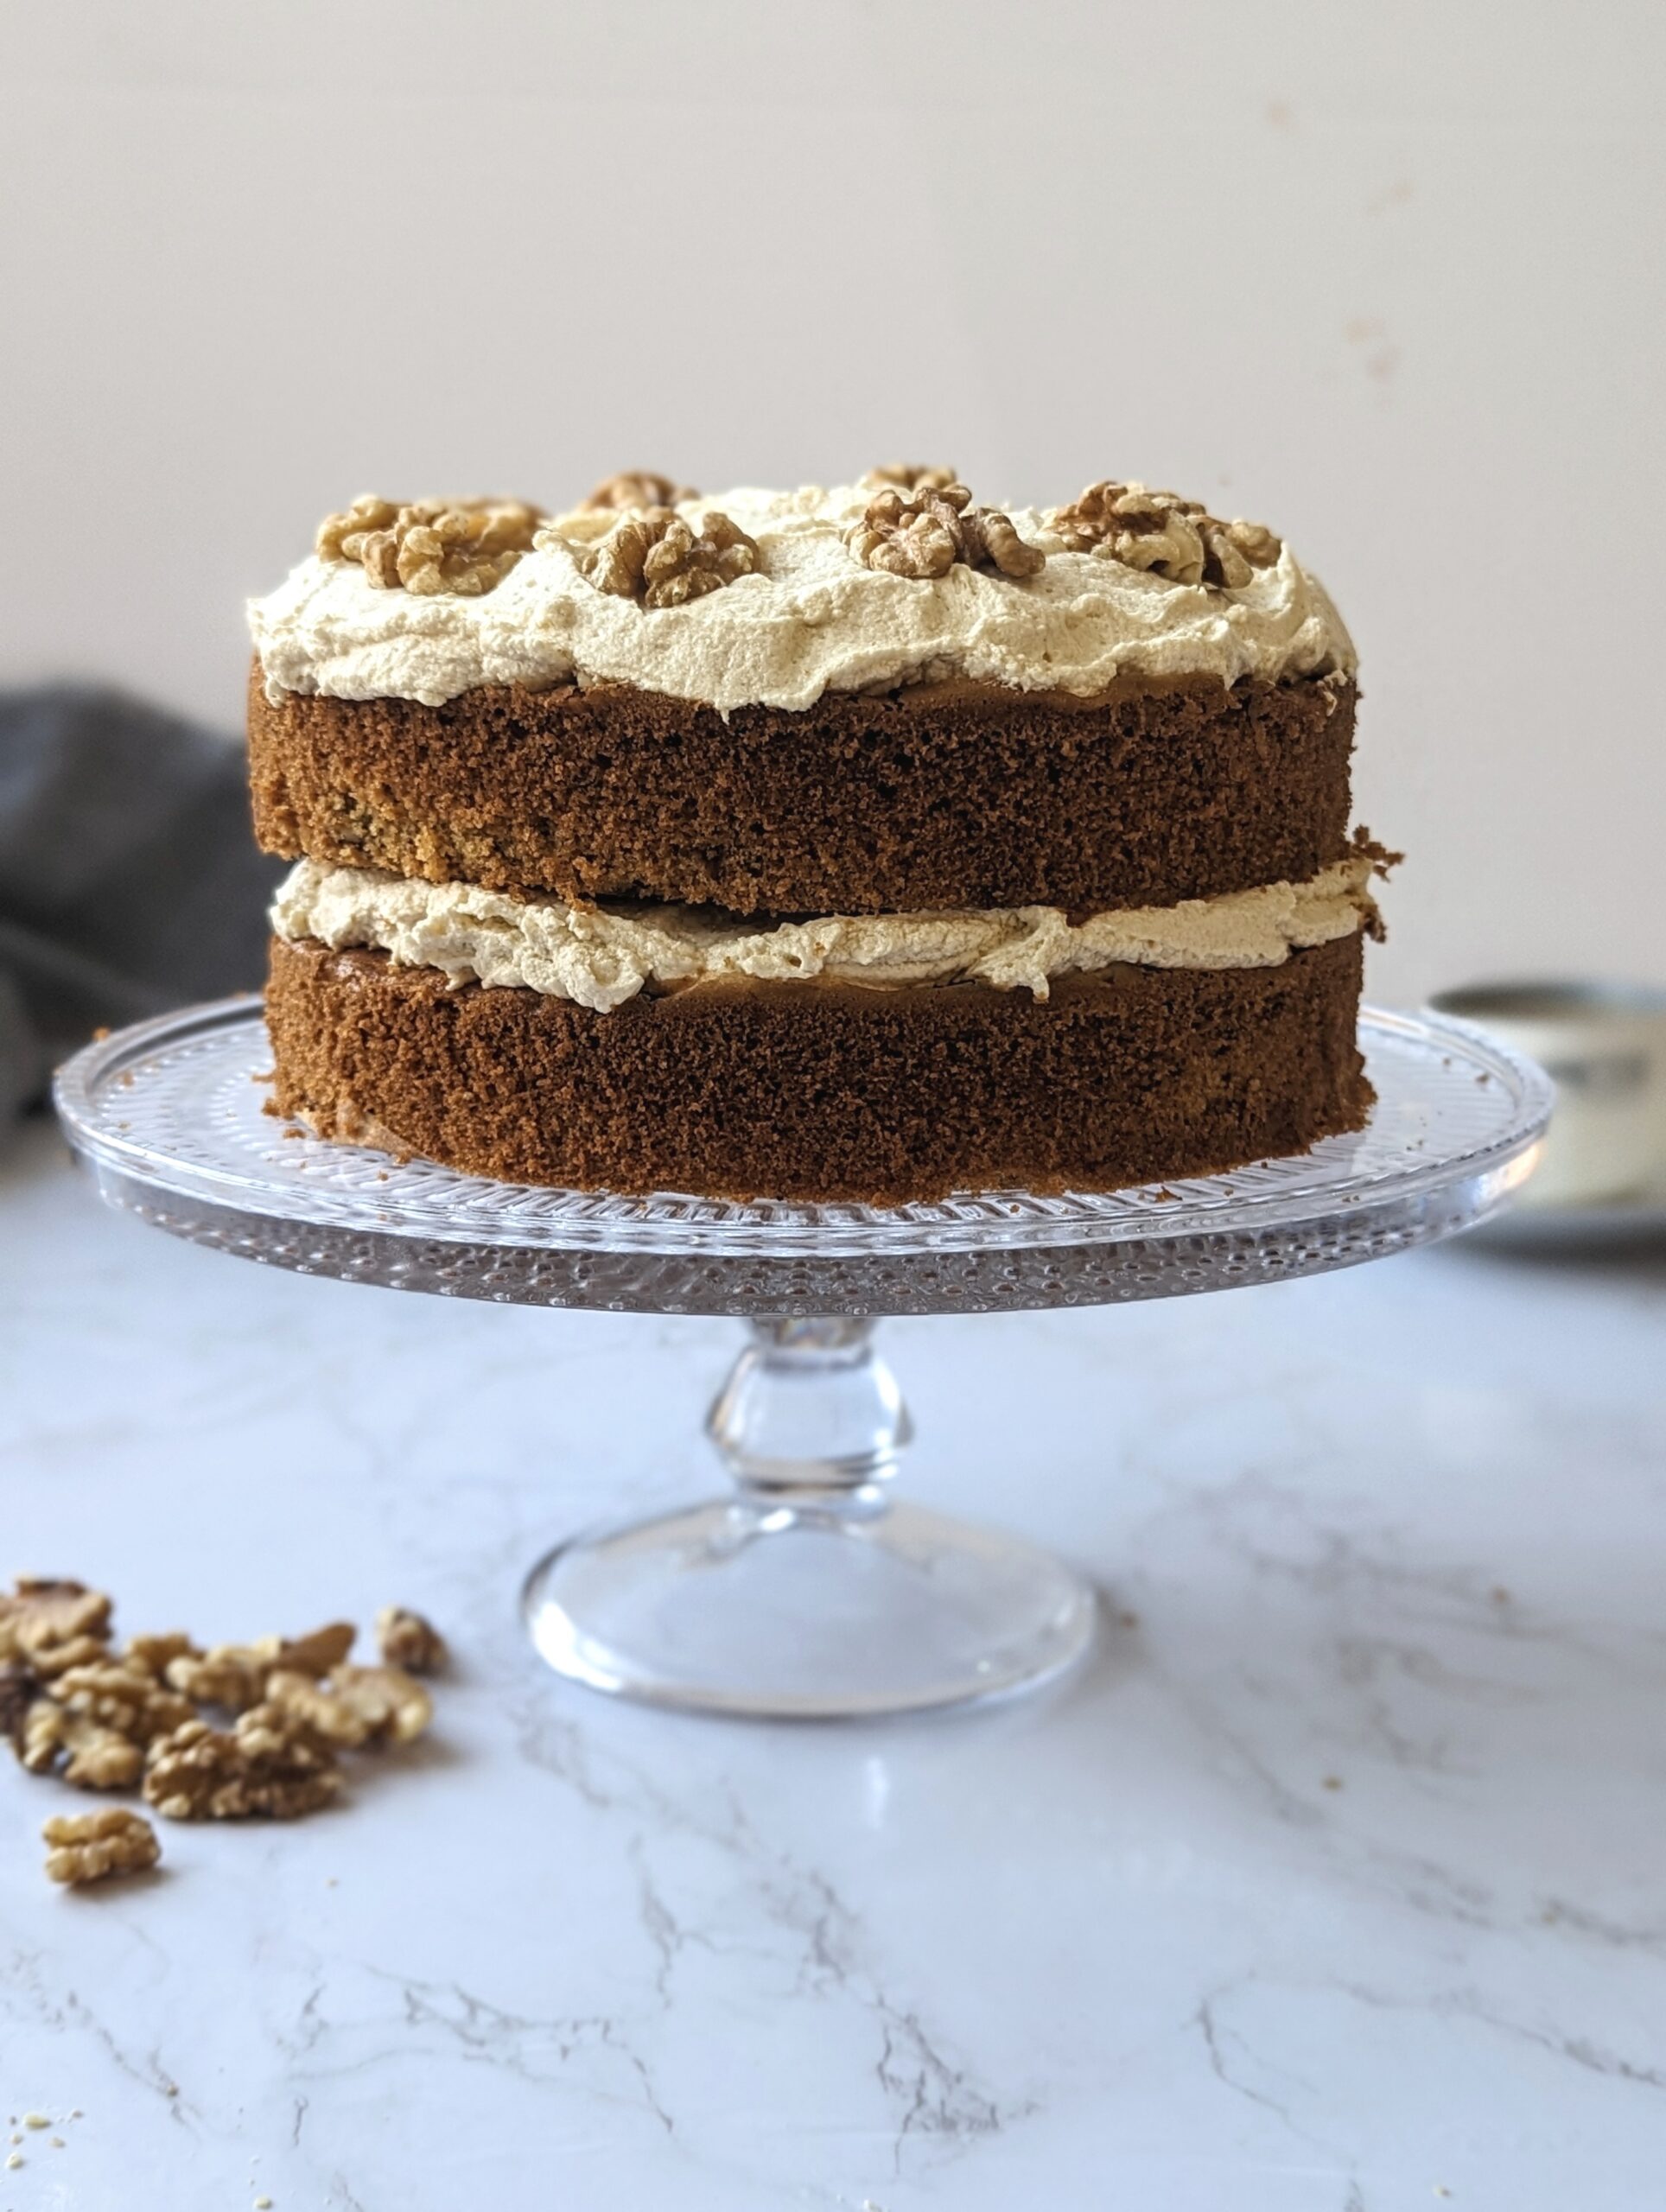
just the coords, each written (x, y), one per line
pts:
(899, 1236)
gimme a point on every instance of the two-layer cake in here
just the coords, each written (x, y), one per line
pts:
(862, 845)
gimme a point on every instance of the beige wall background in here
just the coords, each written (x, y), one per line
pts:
(1389, 279)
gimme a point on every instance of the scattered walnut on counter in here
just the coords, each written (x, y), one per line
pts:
(428, 546)
(123, 1698)
(406, 1639)
(1160, 532)
(92, 1846)
(654, 555)
(358, 1706)
(49, 1625)
(925, 533)
(86, 1752)
(393, 1705)
(229, 1676)
(18, 1691)
(314, 1654)
(266, 1766)
(152, 1655)
(328, 1716)
(638, 488)
(72, 1707)
(234, 1675)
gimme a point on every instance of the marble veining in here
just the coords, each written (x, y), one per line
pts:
(1334, 1884)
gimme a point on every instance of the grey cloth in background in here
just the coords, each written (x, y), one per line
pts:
(129, 881)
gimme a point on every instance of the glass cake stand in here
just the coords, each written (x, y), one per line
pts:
(804, 1592)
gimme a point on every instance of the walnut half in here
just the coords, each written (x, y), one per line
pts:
(358, 1706)
(925, 533)
(92, 1846)
(49, 1625)
(653, 555)
(234, 1675)
(123, 1698)
(911, 476)
(89, 1753)
(267, 1766)
(1165, 535)
(18, 1691)
(408, 1640)
(638, 488)
(429, 546)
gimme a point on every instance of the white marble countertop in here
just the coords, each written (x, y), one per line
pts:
(1337, 1883)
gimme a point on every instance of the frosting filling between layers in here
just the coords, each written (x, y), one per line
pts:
(600, 956)
(811, 619)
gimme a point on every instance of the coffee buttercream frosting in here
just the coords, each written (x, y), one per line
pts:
(810, 618)
(600, 956)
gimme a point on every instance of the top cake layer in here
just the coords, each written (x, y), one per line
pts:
(814, 606)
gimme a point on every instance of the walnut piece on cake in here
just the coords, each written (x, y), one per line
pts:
(637, 487)
(429, 546)
(92, 1847)
(910, 476)
(268, 1766)
(408, 1639)
(925, 533)
(653, 555)
(1164, 535)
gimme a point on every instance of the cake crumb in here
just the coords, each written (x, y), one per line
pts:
(262, 2205)
(14, 2159)
(35, 2120)
(56, 2141)
(1334, 1782)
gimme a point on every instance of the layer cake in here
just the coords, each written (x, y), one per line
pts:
(855, 844)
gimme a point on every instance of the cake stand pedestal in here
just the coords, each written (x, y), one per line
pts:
(805, 1593)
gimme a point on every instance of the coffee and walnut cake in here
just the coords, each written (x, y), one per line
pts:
(858, 844)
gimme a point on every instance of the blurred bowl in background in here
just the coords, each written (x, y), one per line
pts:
(1603, 1046)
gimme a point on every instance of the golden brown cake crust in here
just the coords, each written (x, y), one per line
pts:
(800, 1091)
(956, 796)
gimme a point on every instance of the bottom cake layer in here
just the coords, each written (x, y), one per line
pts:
(794, 1091)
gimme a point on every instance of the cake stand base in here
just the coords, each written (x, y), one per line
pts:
(806, 1594)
